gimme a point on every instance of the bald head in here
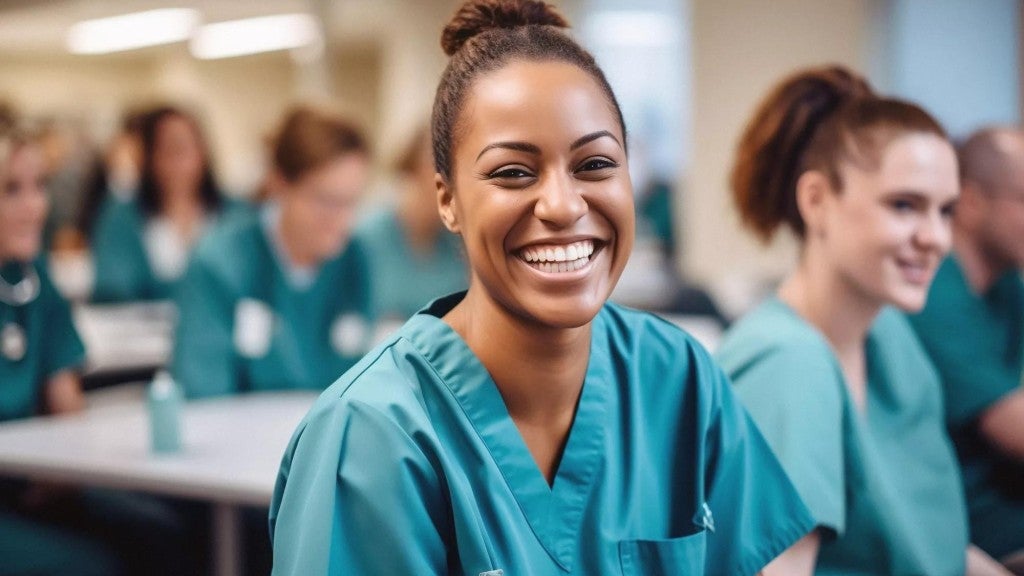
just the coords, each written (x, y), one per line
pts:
(992, 158)
(989, 218)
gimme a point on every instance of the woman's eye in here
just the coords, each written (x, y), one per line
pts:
(593, 164)
(511, 172)
(901, 205)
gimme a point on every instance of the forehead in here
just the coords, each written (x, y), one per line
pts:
(545, 101)
(918, 162)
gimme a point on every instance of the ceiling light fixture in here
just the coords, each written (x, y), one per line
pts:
(131, 31)
(255, 35)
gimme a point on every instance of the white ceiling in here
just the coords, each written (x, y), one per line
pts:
(39, 27)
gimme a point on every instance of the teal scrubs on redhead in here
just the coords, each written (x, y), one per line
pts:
(883, 485)
(976, 343)
(51, 345)
(247, 322)
(411, 464)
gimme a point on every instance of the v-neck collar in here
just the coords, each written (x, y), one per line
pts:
(553, 512)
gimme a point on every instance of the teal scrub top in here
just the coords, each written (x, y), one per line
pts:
(411, 464)
(882, 485)
(51, 343)
(244, 326)
(403, 280)
(976, 344)
(122, 266)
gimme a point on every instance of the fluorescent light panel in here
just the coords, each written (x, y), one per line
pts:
(254, 35)
(131, 31)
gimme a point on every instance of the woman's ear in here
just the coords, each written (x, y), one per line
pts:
(813, 190)
(446, 205)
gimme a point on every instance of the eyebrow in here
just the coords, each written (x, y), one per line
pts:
(533, 149)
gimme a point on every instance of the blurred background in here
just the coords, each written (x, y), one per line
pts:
(688, 73)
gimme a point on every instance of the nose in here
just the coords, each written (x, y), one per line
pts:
(934, 232)
(559, 203)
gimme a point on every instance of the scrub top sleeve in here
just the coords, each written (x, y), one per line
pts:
(795, 397)
(753, 512)
(204, 361)
(357, 496)
(963, 350)
(63, 347)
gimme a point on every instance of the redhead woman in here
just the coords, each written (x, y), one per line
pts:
(828, 367)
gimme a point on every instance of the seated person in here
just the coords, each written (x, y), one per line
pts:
(527, 426)
(973, 328)
(278, 298)
(141, 247)
(413, 259)
(47, 530)
(833, 375)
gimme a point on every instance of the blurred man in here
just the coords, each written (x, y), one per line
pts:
(972, 327)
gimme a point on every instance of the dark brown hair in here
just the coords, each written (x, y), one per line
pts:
(483, 36)
(813, 120)
(149, 193)
(309, 138)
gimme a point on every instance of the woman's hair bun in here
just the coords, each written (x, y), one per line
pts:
(476, 16)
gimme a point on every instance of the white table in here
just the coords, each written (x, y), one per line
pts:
(230, 458)
(125, 337)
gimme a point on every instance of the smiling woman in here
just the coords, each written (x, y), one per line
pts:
(833, 376)
(526, 426)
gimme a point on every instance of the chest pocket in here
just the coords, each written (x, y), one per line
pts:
(664, 557)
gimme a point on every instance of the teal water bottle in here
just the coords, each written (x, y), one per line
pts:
(164, 401)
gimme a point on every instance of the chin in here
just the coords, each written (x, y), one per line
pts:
(564, 313)
(911, 300)
(24, 252)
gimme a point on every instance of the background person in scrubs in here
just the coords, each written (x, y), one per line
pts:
(972, 328)
(525, 426)
(48, 530)
(141, 247)
(834, 378)
(278, 298)
(413, 259)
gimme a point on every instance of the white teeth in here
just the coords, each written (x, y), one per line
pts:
(570, 253)
(553, 267)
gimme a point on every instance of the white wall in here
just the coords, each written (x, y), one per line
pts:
(958, 58)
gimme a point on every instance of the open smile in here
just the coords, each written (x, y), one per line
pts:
(916, 271)
(560, 258)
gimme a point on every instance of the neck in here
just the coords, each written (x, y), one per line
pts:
(538, 370)
(840, 313)
(291, 239)
(980, 270)
(180, 200)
